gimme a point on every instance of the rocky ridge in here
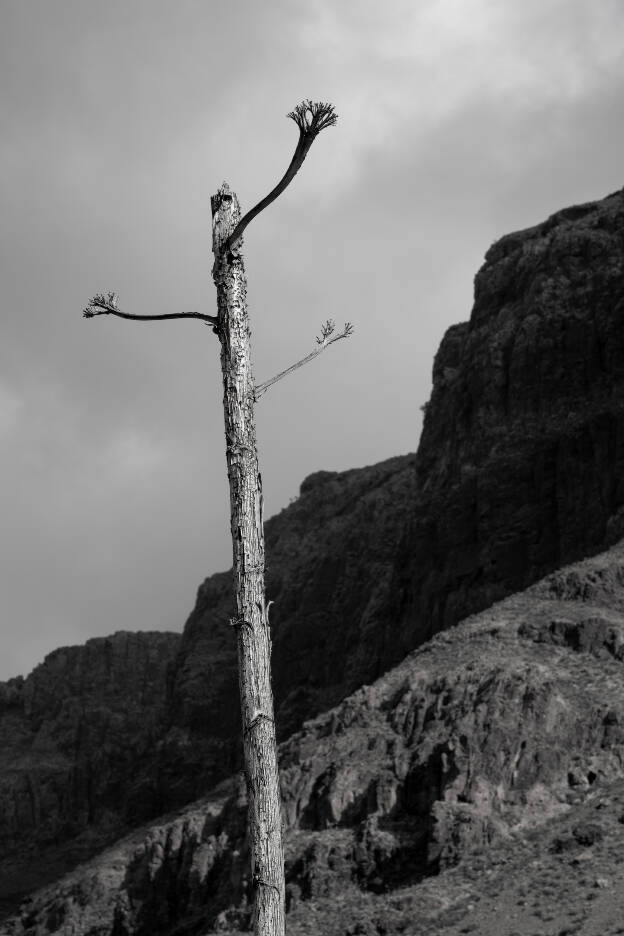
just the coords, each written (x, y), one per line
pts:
(77, 739)
(519, 470)
(494, 743)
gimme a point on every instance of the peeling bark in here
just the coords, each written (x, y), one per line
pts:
(251, 623)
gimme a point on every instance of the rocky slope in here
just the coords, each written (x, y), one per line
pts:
(488, 766)
(77, 740)
(520, 469)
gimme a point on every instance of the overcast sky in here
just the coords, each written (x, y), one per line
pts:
(460, 120)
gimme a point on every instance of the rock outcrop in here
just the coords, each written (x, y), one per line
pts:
(78, 748)
(520, 469)
(492, 731)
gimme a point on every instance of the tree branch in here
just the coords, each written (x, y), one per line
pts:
(107, 305)
(323, 342)
(311, 118)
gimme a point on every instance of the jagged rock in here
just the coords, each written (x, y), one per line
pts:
(77, 739)
(519, 470)
(475, 741)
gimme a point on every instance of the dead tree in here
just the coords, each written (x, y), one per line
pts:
(251, 622)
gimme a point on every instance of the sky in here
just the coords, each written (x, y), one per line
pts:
(459, 121)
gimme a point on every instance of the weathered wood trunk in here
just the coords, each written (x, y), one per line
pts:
(251, 623)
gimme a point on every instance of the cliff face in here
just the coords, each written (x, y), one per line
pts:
(467, 752)
(520, 469)
(77, 739)
(331, 574)
(523, 443)
(544, 344)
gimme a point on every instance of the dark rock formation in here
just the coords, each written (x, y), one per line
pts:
(520, 469)
(330, 573)
(524, 435)
(78, 740)
(484, 735)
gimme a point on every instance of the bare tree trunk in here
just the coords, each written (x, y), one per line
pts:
(252, 626)
(231, 324)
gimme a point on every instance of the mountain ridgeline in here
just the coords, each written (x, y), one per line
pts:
(519, 471)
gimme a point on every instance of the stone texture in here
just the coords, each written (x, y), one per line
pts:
(78, 740)
(487, 734)
(519, 470)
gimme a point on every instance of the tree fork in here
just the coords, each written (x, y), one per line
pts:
(246, 507)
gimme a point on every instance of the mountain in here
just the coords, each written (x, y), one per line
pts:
(77, 739)
(486, 769)
(519, 471)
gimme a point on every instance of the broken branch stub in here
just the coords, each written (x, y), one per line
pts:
(311, 118)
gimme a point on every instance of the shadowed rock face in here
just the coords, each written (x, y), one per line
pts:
(521, 459)
(78, 740)
(476, 741)
(544, 344)
(520, 469)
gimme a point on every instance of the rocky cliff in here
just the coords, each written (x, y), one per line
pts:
(519, 470)
(497, 748)
(77, 740)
